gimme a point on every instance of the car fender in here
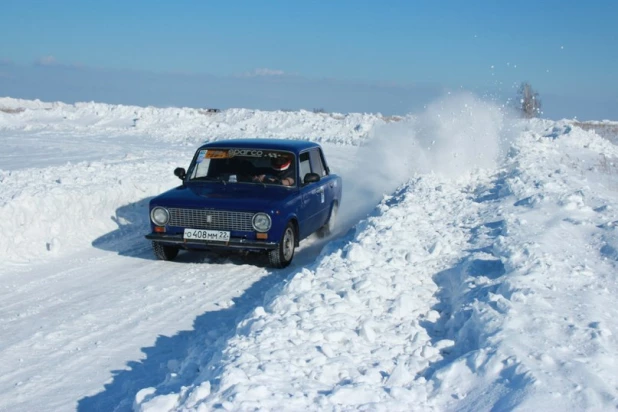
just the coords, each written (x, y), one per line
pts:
(279, 223)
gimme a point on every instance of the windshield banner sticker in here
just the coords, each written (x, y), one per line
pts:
(245, 152)
(217, 154)
(230, 153)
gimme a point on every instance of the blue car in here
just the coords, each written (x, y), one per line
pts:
(247, 194)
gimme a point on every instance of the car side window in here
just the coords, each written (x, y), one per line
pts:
(305, 165)
(316, 162)
(201, 169)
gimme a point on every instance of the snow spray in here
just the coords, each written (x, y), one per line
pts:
(451, 137)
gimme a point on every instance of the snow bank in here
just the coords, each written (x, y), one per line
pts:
(53, 210)
(184, 125)
(551, 315)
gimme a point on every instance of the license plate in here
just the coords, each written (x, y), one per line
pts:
(199, 234)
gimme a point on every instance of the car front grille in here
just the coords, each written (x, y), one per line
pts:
(211, 219)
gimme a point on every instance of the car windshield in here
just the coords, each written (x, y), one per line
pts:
(244, 165)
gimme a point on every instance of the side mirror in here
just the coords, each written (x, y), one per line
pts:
(180, 173)
(311, 177)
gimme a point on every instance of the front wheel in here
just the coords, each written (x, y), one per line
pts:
(163, 252)
(284, 253)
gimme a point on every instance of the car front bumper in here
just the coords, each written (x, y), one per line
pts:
(234, 243)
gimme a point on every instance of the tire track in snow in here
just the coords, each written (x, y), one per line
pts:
(530, 304)
(475, 280)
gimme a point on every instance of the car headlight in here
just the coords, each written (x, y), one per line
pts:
(261, 222)
(159, 216)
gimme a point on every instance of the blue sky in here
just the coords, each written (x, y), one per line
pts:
(565, 49)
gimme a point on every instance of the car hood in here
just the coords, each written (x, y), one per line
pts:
(231, 196)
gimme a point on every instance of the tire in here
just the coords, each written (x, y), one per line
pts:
(329, 226)
(163, 252)
(284, 253)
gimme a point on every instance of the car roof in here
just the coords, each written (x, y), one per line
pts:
(295, 146)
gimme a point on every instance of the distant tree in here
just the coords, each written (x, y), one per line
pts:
(530, 103)
(319, 110)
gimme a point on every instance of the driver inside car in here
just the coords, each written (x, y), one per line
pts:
(281, 172)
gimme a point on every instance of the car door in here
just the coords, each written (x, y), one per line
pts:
(313, 198)
(318, 165)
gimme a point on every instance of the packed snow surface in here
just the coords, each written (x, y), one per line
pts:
(474, 267)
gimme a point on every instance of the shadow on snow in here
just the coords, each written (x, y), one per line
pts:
(165, 365)
(128, 239)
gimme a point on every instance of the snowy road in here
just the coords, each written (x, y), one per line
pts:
(84, 317)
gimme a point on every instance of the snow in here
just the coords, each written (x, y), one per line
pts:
(186, 126)
(474, 267)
